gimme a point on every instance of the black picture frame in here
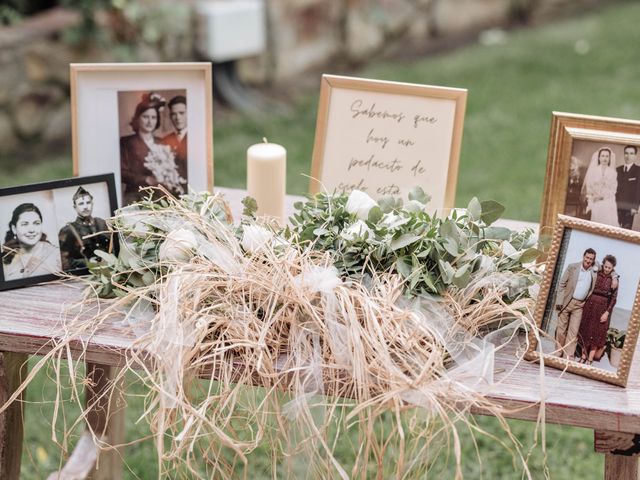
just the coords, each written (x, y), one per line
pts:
(48, 193)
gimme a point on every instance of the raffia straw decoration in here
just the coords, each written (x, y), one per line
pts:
(346, 363)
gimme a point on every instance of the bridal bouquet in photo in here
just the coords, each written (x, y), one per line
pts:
(162, 163)
(371, 328)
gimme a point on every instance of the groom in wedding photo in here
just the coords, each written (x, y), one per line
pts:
(575, 286)
(177, 140)
(628, 192)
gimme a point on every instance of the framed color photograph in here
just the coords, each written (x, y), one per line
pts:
(149, 123)
(588, 310)
(54, 227)
(593, 171)
(385, 138)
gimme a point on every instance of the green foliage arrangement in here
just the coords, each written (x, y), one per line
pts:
(151, 232)
(431, 253)
(364, 238)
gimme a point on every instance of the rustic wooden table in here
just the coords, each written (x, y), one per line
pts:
(31, 318)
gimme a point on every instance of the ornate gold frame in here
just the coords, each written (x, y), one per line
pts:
(329, 82)
(620, 376)
(565, 128)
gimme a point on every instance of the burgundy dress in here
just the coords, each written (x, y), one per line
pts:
(593, 334)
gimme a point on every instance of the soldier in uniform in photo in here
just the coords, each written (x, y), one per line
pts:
(177, 140)
(628, 193)
(576, 284)
(26, 252)
(81, 238)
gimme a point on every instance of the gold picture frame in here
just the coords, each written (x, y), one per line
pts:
(387, 137)
(99, 92)
(572, 139)
(558, 347)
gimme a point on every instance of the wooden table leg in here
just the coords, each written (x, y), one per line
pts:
(107, 419)
(13, 369)
(622, 452)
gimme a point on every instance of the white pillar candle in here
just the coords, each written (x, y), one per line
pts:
(266, 178)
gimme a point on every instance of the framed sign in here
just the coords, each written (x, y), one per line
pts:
(593, 171)
(54, 227)
(588, 309)
(386, 137)
(148, 123)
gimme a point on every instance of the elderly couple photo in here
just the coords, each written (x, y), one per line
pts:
(586, 296)
(610, 190)
(591, 297)
(153, 142)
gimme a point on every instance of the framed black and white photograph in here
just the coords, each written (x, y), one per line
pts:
(587, 311)
(593, 171)
(54, 227)
(604, 184)
(148, 123)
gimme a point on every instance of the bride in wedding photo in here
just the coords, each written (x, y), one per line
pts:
(599, 187)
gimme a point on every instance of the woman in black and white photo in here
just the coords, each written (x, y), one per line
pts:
(26, 252)
(599, 187)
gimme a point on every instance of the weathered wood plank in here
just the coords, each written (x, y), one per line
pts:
(616, 443)
(618, 467)
(13, 368)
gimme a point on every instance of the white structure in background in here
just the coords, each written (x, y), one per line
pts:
(230, 29)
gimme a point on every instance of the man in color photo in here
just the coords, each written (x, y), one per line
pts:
(575, 286)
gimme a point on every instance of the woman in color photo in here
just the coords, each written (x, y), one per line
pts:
(26, 251)
(596, 313)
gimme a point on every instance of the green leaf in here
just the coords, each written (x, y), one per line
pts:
(497, 233)
(107, 257)
(491, 211)
(388, 203)
(446, 270)
(308, 234)
(451, 246)
(404, 266)
(474, 209)
(375, 214)
(404, 240)
(448, 228)
(462, 276)
(419, 195)
(148, 278)
(530, 255)
(250, 207)
(429, 282)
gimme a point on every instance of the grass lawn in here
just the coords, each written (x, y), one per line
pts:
(513, 88)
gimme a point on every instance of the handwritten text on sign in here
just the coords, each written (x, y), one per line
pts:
(385, 144)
